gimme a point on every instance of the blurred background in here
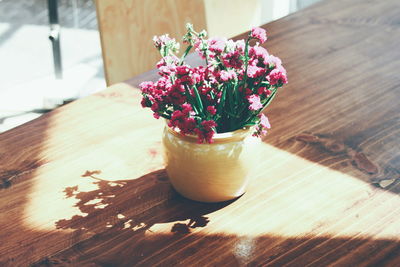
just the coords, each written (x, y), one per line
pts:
(30, 85)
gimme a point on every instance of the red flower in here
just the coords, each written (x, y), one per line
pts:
(182, 121)
(212, 110)
(182, 70)
(233, 60)
(208, 125)
(199, 74)
(145, 103)
(206, 133)
(187, 108)
(277, 77)
(247, 92)
(263, 91)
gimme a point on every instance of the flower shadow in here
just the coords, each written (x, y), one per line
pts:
(133, 206)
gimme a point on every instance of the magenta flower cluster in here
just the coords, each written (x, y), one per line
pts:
(229, 91)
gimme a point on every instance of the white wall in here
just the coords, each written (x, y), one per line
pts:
(275, 9)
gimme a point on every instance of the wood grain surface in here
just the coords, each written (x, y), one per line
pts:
(84, 185)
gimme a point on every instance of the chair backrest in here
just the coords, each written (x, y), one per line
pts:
(128, 26)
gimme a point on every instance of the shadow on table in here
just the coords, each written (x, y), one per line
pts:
(115, 229)
(123, 209)
(135, 205)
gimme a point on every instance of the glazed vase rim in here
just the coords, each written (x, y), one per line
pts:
(226, 137)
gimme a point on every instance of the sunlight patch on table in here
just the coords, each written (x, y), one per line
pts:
(303, 198)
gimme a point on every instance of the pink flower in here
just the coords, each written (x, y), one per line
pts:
(167, 61)
(163, 83)
(258, 55)
(199, 48)
(259, 34)
(255, 103)
(264, 122)
(277, 77)
(227, 75)
(217, 45)
(273, 62)
(259, 131)
(146, 87)
(162, 40)
(165, 41)
(240, 45)
(255, 72)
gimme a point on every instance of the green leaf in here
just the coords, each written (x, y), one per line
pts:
(212, 95)
(222, 102)
(191, 100)
(230, 98)
(250, 121)
(166, 116)
(198, 100)
(219, 62)
(231, 114)
(236, 94)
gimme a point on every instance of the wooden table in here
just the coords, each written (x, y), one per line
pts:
(84, 185)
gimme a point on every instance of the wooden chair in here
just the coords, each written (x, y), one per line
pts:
(127, 27)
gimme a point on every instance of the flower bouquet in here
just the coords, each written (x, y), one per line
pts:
(214, 112)
(229, 92)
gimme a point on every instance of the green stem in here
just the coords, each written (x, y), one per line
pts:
(246, 60)
(185, 54)
(269, 99)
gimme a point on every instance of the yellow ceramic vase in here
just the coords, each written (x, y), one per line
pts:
(210, 172)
